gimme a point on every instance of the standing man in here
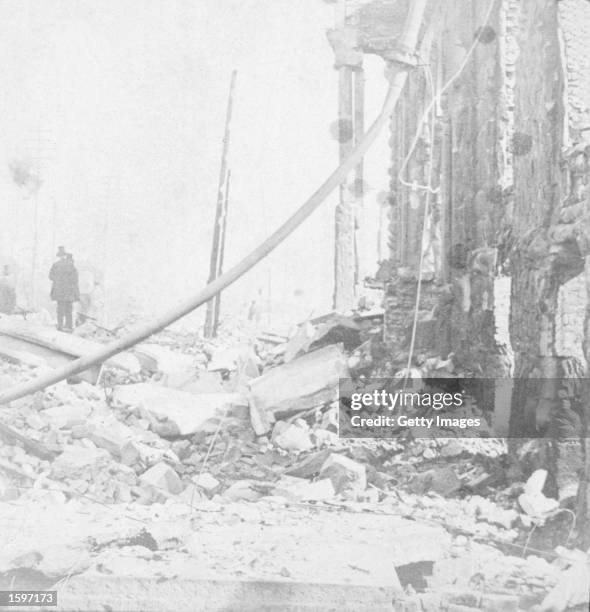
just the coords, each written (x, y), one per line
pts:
(64, 290)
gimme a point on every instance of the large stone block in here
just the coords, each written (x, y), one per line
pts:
(296, 386)
(163, 478)
(184, 412)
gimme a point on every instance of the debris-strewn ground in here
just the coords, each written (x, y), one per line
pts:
(222, 458)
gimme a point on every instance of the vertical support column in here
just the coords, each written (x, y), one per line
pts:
(583, 502)
(359, 130)
(345, 257)
(344, 254)
(446, 198)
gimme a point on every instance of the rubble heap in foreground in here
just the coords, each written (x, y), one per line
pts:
(228, 432)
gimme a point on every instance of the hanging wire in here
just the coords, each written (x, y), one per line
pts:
(430, 108)
(434, 102)
(429, 193)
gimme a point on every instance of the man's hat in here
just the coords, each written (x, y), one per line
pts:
(61, 252)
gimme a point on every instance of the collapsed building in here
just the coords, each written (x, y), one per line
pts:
(487, 208)
(488, 192)
(508, 161)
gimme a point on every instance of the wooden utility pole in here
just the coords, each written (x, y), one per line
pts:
(211, 318)
(223, 224)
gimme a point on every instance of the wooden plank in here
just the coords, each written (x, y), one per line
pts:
(30, 353)
(19, 356)
(60, 347)
(31, 446)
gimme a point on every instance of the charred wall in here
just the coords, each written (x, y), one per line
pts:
(471, 171)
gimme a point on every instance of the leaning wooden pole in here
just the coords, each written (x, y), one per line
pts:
(210, 318)
(223, 227)
(398, 78)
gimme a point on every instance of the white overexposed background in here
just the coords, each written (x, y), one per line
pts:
(118, 107)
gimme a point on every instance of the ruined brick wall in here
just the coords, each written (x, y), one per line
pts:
(506, 187)
(536, 147)
(472, 171)
(407, 217)
(553, 77)
(549, 302)
(513, 156)
(476, 109)
(574, 22)
(407, 212)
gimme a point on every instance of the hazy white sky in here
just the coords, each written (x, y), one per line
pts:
(122, 105)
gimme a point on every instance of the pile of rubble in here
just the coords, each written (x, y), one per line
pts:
(216, 423)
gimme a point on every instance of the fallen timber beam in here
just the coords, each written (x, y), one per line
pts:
(31, 446)
(398, 75)
(36, 345)
(17, 345)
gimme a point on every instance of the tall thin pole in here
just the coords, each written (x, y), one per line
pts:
(359, 186)
(222, 230)
(209, 330)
